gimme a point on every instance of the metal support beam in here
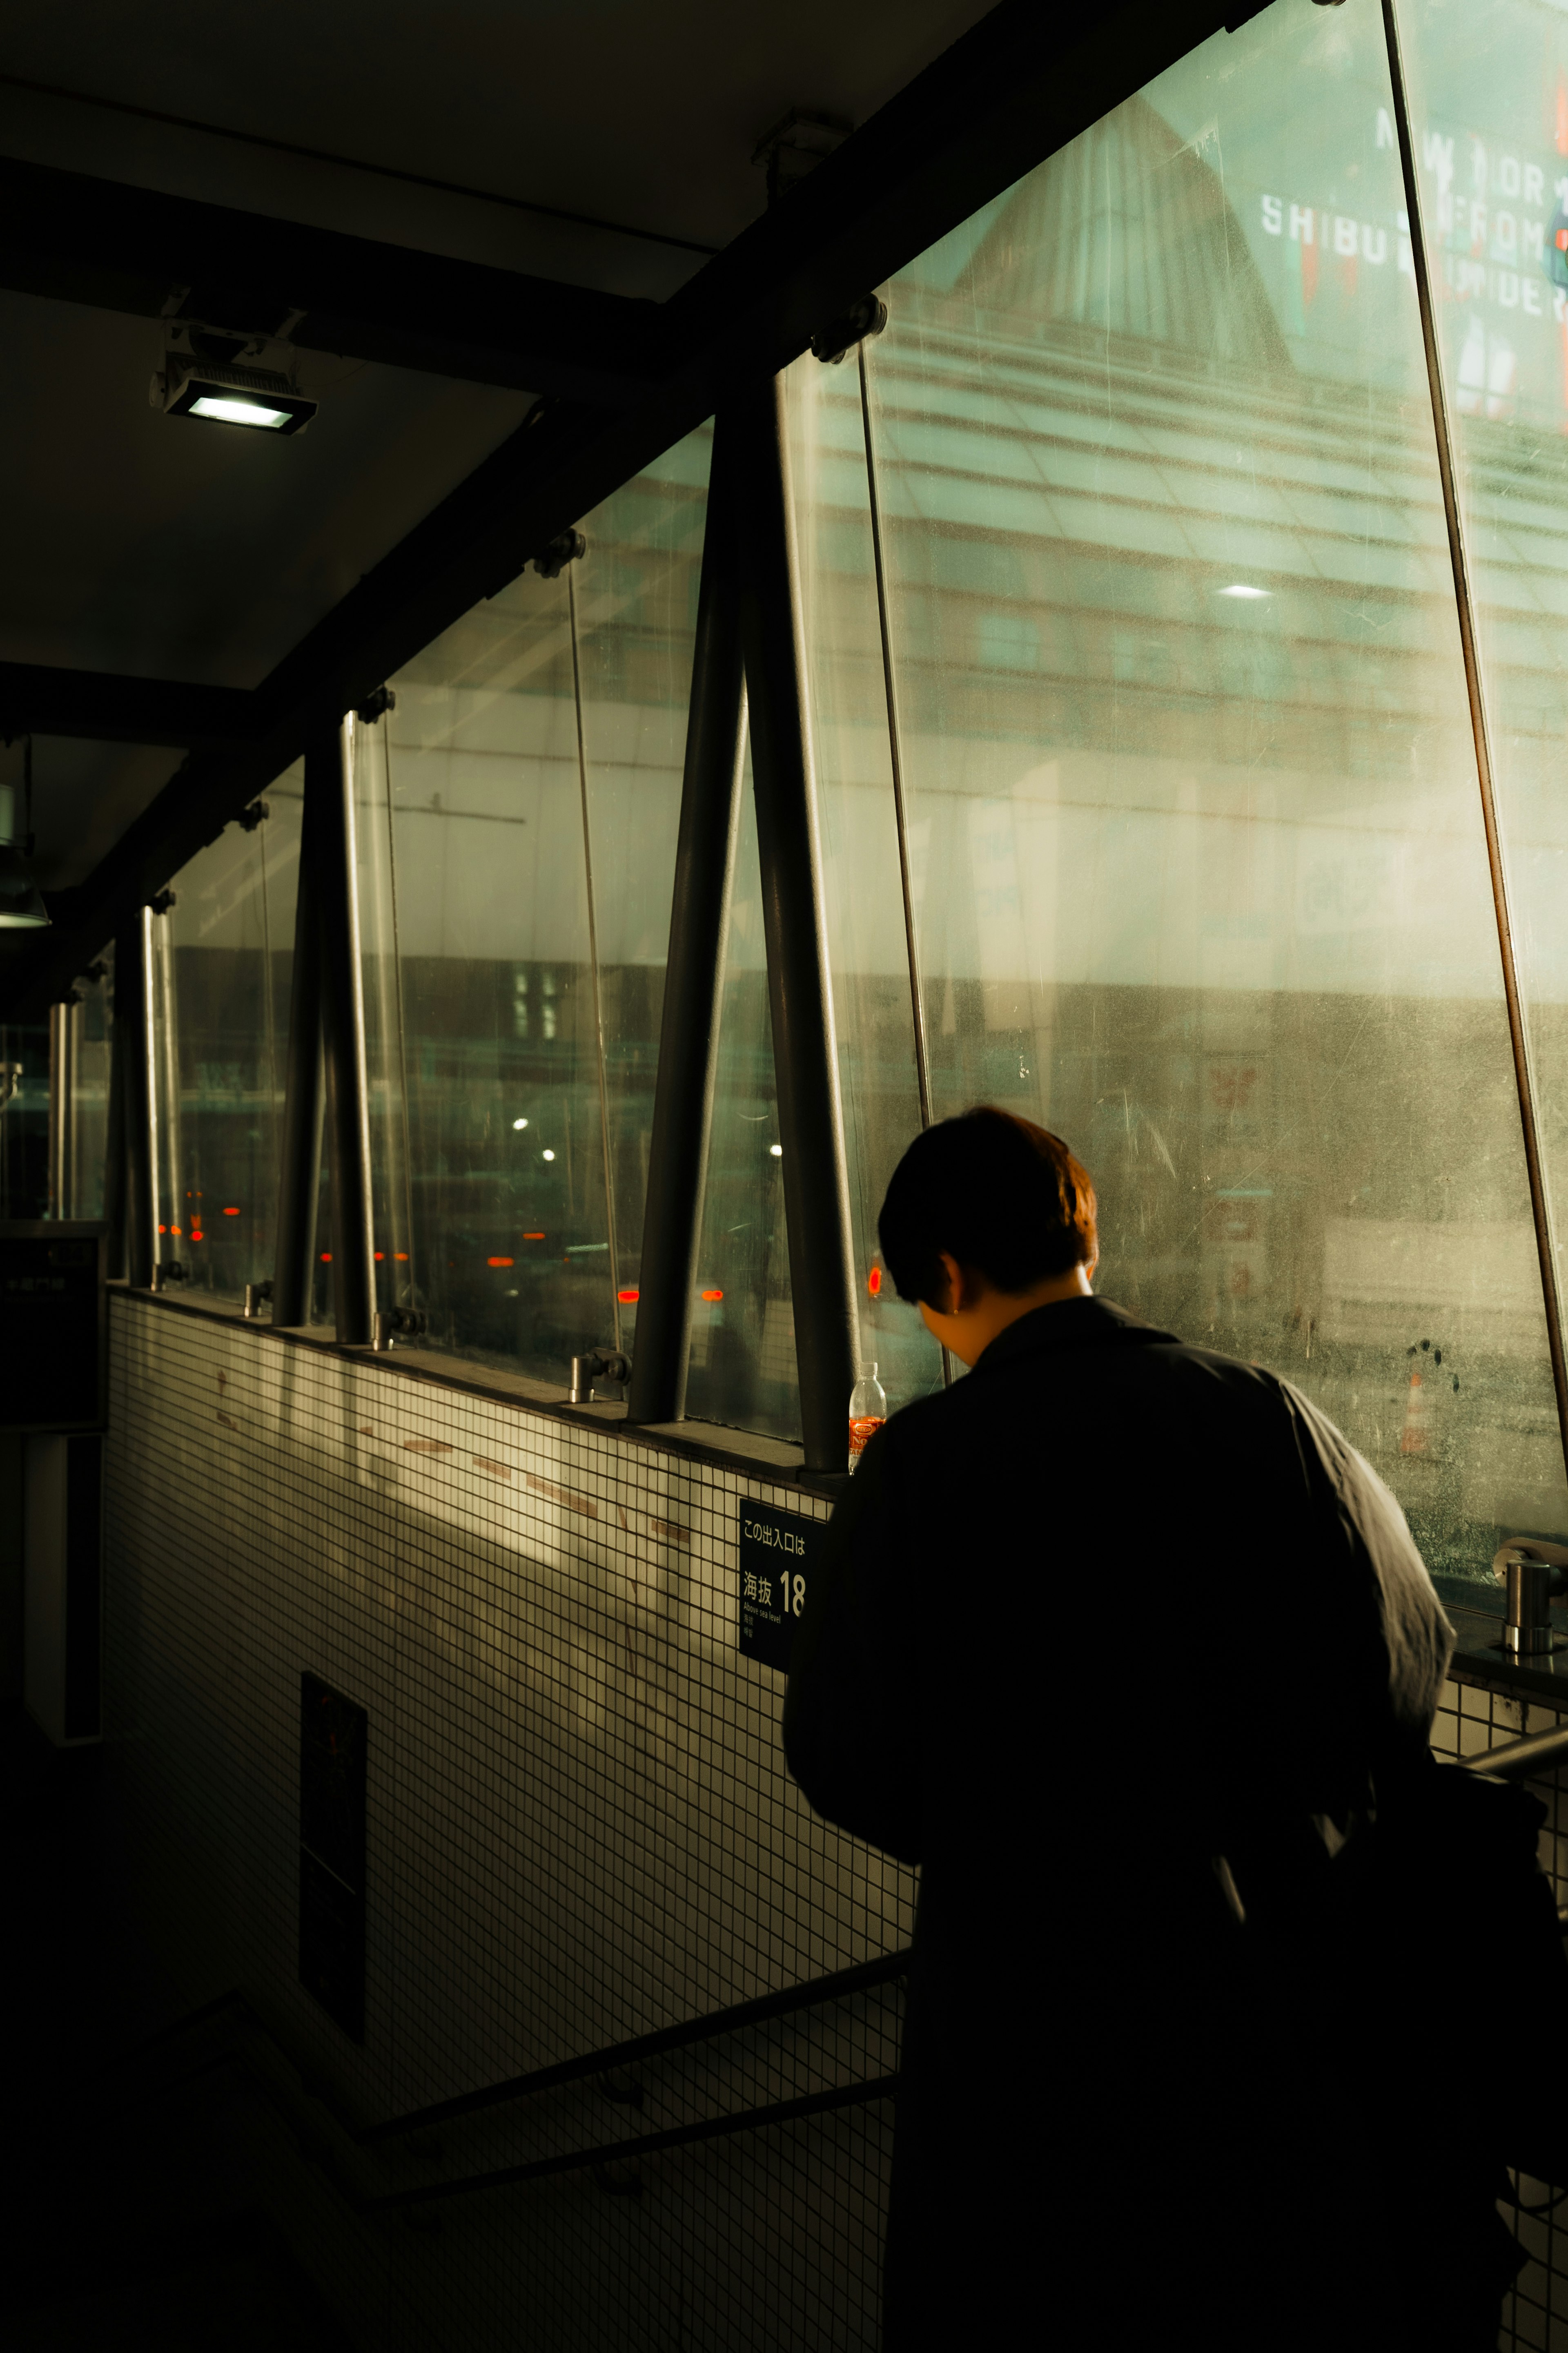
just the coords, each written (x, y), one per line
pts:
(694, 972)
(329, 781)
(132, 959)
(304, 1094)
(136, 249)
(805, 1054)
(106, 707)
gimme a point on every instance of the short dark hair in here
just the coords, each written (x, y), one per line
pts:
(995, 1192)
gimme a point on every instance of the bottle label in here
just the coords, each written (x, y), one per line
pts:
(862, 1427)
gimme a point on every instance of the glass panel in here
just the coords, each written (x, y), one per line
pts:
(89, 1103)
(510, 1240)
(867, 946)
(741, 1369)
(221, 960)
(549, 722)
(636, 599)
(1199, 867)
(392, 1218)
(1488, 101)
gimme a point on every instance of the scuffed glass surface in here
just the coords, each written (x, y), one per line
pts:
(866, 942)
(510, 1250)
(741, 1369)
(1199, 867)
(1489, 102)
(221, 958)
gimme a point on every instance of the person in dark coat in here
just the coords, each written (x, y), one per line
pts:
(1115, 1639)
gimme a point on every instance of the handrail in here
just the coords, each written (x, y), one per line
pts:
(834, 1986)
(617, 2152)
(1518, 1760)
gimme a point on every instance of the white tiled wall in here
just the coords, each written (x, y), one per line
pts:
(580, 1828)
(580, 1825)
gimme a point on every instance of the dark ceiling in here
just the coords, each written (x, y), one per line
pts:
(136, 543)
(185, 606)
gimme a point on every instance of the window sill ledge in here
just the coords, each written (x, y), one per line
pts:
(718, 1448)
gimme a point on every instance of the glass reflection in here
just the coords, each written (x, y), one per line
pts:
(1198, 861)
(220, 962)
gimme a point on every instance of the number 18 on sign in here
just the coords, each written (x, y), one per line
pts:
(777, 1552)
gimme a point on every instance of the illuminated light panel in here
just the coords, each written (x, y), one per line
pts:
(500, 1261)
(231, 1213)
(874, 1282)
(1240, 588)
(240, 412)
(712, 1294)
(534, 1238)
(628, 1298)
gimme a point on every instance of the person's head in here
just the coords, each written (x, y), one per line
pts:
(988, 1214)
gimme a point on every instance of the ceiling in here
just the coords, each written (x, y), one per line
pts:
(141, 544)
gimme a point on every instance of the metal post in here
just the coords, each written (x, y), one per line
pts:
(811, 1117)
(1458, 556)
(694, 972)
(329, 778)
(63, 1029)
(132, 1016)
(304, 1095)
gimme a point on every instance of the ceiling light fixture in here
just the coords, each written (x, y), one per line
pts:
(21, 906)
(220, 394)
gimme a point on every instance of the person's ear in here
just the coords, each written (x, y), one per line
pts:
(954, 1303)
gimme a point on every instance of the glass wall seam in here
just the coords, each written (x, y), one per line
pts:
(594, 977)
(1518, 1037)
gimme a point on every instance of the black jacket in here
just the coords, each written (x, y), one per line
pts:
(1107, 1611)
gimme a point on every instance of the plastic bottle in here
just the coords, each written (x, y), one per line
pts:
(867, 1410)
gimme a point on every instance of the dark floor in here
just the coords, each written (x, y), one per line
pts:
(129, 2176)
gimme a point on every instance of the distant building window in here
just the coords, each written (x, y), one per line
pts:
(1008, 641)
